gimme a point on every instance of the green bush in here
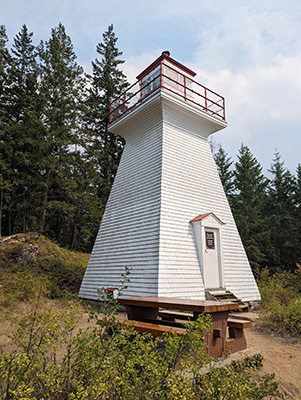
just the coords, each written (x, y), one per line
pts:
(38, 265)
(22, 286)
(49, 359)
(280, 309)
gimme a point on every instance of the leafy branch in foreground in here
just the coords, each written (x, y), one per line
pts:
(49, 358)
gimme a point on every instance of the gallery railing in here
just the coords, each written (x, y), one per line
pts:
(163, 76)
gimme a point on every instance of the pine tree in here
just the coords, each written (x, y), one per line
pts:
(107, 82)
(224, 167)
(24, 75)
(4, 65)
(5, 145)
(285, 251)
(62, 86)
(25, 127)
(297, 215)
(249, 204)
(298, 191)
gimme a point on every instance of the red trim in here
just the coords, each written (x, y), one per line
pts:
(137, 93)
(203, 216)
(165, 56)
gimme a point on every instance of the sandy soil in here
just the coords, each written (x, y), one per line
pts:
(281, 356)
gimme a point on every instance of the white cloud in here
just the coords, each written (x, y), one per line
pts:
(136, 64)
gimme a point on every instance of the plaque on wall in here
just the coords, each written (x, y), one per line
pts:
(210, 240)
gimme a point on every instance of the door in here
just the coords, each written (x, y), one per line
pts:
(212, 273)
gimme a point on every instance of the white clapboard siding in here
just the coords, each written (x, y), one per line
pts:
(129, 231)
(166, 177)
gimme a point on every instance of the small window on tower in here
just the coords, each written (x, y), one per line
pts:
(210, 240)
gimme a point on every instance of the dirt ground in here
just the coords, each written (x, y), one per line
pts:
(281, 356)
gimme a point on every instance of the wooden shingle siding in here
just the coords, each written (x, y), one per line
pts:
(190, 186)
(166, 177)
(129, 231)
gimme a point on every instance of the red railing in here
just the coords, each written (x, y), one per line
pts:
(168, 78)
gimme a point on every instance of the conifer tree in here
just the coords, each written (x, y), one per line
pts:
(298, 191)
(5, 144)
(284, 235)
(249, 204)
(4, 65)
(224, 167)
(297, 215)
(24, 75)
(25, 127)
(62, 86)
(107, 82)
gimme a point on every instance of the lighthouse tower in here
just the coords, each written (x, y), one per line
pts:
(167, 217)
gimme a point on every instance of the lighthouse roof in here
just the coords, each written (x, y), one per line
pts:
(203, 216)
(165, 56)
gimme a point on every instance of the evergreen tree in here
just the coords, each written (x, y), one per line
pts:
(249, 204)
(107, 82)
(62, 85)
(5, 144)
(297, 215)
(83, 222)
(4, 65)
(24, 129)
(285, 245)
(224, 167)
(24, 74)
(298, 192)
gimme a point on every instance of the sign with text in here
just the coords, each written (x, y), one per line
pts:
(210, 240)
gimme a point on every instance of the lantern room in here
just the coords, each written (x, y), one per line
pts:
(168, 75)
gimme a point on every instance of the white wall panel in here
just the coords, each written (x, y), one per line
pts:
(129, 231)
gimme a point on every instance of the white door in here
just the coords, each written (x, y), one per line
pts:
(212, 259)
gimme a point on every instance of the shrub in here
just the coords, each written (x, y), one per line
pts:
(280, 309)
(36, 263)
(22, 286)
(110, 360)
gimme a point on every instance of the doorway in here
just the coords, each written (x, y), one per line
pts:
(212, 262)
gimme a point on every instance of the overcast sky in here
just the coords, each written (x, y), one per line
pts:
(247, 51)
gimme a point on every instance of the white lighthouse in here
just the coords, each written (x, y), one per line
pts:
(167, 217)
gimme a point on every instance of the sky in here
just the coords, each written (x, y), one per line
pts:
(247, 51)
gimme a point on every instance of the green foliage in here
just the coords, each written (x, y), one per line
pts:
(107, 82)
(47, 358)
(280, 309)
(37, 265)
(266, 211)
(248, 206)
(48, 181)
(22, 286)
(224, 164)
(285, 235)
(238, 381)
